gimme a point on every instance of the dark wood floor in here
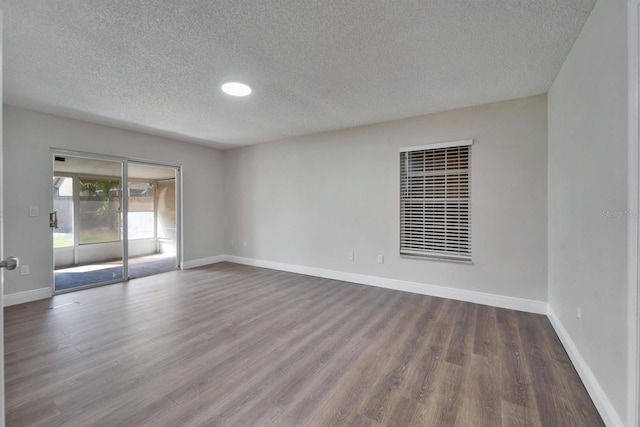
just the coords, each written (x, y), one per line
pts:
(241, 346)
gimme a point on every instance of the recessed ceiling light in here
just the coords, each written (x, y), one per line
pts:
(236, 89)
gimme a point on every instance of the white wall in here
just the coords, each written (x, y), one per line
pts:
(587, 178)
(308, 201)
(28, 136)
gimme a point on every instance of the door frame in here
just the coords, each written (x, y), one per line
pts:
(2, 405)
(178, 190)
(633, 215)
(125, 204)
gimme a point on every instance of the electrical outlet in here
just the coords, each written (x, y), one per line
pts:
(24, 269)
(351, 256)
(380, 259)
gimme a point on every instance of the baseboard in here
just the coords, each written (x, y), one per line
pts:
(520, 304)
(599, 397)
(202, 261)
(27, 296)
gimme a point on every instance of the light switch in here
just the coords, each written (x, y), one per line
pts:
(34, 211)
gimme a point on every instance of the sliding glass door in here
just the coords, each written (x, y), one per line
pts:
(152, 219)
(86, 222)
(112, 220)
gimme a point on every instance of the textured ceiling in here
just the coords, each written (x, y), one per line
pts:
(314, 65)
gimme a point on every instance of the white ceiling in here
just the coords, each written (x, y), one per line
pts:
(314, 65)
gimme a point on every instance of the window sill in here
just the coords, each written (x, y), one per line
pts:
(436, 258)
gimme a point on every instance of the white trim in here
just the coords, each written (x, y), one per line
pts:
(435, 145)
(27, 296)
(124, 214)
(203, 261)
(599, 397)
(109, 157)
(521, 304)
(633, 224)
(179, 218)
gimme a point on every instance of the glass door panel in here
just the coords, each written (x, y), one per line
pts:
(63, 236)
(152, 219)
(87, 242)
(99, 210)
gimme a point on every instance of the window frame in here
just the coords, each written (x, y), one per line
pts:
(445, 254)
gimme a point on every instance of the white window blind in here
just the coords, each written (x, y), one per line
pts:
(435, 196)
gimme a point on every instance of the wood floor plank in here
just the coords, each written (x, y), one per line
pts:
(582, 410)
(353, 392)
(39, 413)
(516, 377)
(322, 351)
(230, 345)
(485, 340)
(422, 376)
(482, 397)
(392, 377)
(442, 408)
(249, 360)
(543, 377)
(461, 343)
(241, 395)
